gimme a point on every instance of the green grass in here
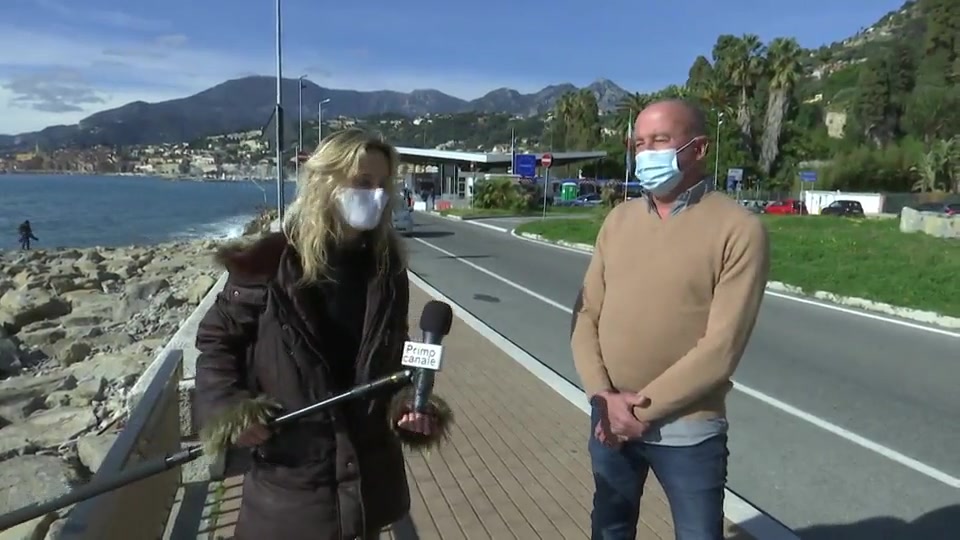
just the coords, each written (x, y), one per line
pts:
(498, 212)
(865, 258)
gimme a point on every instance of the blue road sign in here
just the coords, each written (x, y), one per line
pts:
(808, 176)
(734, 178)
(526, 165)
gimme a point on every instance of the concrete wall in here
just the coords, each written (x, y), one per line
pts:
(931, 223)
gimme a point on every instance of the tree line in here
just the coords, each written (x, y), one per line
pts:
(901, 108)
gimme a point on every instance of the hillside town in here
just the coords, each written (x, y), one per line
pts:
(229, 156)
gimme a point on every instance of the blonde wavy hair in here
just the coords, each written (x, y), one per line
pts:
(312, 224)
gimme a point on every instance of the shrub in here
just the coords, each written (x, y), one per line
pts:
(612, 194)
(497, 193)
(891, 168)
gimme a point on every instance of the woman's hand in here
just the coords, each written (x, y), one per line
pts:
(417, 423)
(253, 436)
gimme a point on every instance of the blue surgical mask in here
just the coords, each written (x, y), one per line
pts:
(658, 170)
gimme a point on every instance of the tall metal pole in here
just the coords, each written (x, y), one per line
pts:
(626, 167)
(278, 117)
(320, 120)
(716, 165)
(299, 126)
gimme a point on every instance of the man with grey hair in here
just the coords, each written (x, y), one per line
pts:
(685, 268)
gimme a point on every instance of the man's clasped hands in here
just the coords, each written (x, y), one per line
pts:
(618, 423)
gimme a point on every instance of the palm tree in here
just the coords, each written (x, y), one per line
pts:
(783, 67)
(933, 167)
(744, 68)
(953, 164)
(673, 92)
(630, 106)
(714, 95)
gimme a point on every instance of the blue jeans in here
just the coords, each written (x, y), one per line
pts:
(693, 478)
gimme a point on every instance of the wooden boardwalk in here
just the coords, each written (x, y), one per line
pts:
(516, 465)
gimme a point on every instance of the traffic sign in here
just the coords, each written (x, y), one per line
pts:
(808, 176)
(734, 178)
(525, 165)
(546, 160)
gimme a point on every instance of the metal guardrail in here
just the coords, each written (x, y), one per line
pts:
(139, 510)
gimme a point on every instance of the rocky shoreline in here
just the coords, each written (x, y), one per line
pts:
(77, 329)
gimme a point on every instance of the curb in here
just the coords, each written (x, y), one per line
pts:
(452, 217)
(736, 509)
(784, 289)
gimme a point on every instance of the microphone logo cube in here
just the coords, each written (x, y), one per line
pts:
(422, 355)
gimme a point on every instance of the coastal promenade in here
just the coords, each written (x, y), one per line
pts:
(515, 466)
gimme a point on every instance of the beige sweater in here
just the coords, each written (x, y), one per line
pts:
(669, 305)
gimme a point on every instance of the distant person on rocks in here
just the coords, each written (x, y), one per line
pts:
(668, 304)
(308, 313)
(26, 235)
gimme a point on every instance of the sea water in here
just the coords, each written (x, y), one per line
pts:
(84, 211)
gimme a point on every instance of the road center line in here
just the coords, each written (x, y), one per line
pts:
(863, 442)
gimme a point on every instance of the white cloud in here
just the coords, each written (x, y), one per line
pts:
(110, 71)
(117, 19)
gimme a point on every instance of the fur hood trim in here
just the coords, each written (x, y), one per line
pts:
(253, 258)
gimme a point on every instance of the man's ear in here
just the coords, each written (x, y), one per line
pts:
(703, 148)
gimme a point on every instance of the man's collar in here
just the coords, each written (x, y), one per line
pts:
(688, 198)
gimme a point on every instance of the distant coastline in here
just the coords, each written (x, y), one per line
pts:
(171, 178)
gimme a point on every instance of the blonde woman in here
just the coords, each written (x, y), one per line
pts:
(308, 313)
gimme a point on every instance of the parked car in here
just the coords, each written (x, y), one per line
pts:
(950, 209)
(590, 199)
(757, 207)
(845, 208)
(787, 207)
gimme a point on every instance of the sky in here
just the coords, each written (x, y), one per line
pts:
(62, 60)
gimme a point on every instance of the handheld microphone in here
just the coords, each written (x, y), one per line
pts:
(426, 357)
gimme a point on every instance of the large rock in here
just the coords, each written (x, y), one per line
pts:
(35, 529)
(91, 449)
(73, 352)
(78, 393)
(10, 356)
(122, 368)
(46, 429)
(29, 479)
(22, 396)
(199, 289)
(32, 305)
(930, 223)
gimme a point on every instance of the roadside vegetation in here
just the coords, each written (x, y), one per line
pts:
(865, 258)
(499, 197)
(477, 213)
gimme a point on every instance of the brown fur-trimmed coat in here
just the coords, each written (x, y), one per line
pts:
(334, 476)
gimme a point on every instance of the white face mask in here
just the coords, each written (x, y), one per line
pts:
(361, 208)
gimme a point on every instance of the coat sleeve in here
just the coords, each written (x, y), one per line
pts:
(225, 404)
(402, 402)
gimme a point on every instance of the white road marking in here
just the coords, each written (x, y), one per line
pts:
(877, 448)
(739, 511)
(775, 294)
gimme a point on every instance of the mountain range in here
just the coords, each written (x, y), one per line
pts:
(247, 103)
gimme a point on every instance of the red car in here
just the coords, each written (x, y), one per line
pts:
(787, 207)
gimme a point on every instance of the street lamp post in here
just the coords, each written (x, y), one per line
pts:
(716, 165)
(299, 122)
(320, 120)
(278, 116)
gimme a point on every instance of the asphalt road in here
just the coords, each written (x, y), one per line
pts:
(844, 426)
(513, 222)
